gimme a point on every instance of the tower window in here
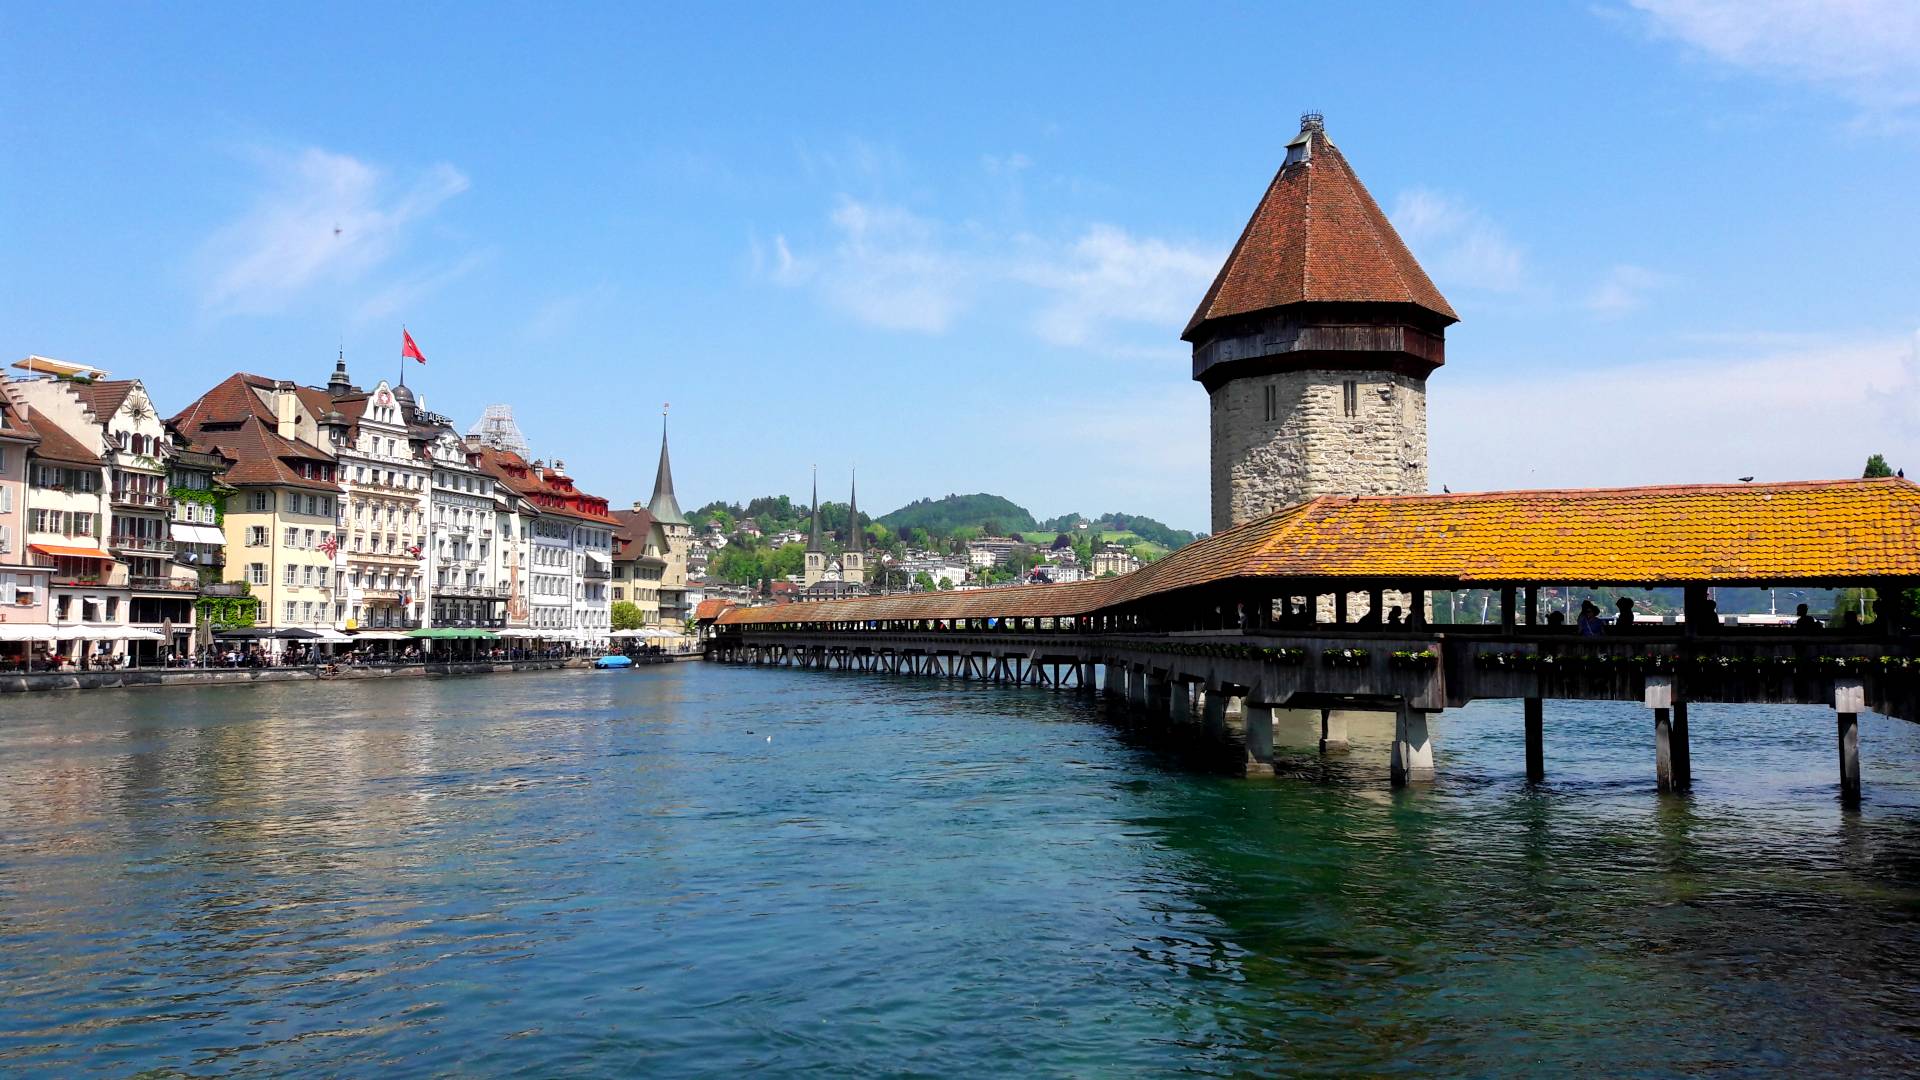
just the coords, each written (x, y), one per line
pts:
(1273, 403)
(1351, 395)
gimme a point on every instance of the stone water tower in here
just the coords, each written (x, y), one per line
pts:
(1315, 343)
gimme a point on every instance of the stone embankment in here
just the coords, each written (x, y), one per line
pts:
(101, 680)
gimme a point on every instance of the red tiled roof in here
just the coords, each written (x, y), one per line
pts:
(12, 425)
(232, 420)
(544, 493)
(59, 444)
(1817, 532)
(104, 397)
(1317, 236)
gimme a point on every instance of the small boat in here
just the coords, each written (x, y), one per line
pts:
(614, 661)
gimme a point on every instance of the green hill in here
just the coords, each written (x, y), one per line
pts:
(942, 516)
(1121, 526)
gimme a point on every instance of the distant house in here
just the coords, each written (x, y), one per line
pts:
(990, 550)
(1114, 559)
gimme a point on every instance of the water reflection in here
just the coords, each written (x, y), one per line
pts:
(693, 871)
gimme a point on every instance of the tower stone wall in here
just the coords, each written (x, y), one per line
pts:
(1284, 437)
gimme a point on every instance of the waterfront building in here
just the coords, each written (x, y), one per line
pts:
(639, 561)
(281, 522)
(1314, 344)
(118, 415)
(569, 548)
(66, 516)
(665, 509)
(387, 486)
(23, 585)
(471, 523)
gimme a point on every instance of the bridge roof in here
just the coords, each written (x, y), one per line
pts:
(1812, 532)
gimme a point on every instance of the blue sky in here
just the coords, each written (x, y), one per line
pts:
(956, 248)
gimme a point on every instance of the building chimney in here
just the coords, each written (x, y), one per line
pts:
(286, 411)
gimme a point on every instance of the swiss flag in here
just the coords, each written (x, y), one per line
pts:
(408, 348)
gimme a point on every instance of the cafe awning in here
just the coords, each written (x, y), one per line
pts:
(197, 534)
(59, 551)
(27, 632)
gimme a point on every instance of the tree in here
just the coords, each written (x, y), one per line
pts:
(946, 584)
(1877, 467)
(1858, 601)
(789, 560)
(627, 615)
(924, 582)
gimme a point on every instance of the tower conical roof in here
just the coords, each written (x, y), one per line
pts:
(813, 539)
(856, 536)
(663, 506)
(1316, 237)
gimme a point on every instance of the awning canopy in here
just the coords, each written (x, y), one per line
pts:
(27, 632)
(59, 551)
(450, 633)
(197, 534)
(599, 560)
(377, 635)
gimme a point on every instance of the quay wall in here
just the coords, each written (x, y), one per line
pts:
(145, 677)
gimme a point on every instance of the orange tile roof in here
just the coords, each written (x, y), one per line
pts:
(1317, 236)
(711, 609)
(1831, 532)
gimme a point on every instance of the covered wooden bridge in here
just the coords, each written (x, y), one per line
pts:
(1325, 606)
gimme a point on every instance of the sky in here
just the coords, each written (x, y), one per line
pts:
(955, 248)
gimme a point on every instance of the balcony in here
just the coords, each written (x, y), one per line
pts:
(163, 584)
(142, 545)
(141, 500)
(226, 588)
(472, 592)
(391, 596)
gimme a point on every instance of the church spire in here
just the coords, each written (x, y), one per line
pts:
(664, 507)
(813, 540)
(856, 536)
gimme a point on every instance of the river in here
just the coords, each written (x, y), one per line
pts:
(711, 871)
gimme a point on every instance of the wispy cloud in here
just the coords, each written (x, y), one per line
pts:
(1865, 50)
(1624, 289)
(1458, 245)
(886, 267)
(897, 270)
(1805, 413)
(322, 219)
(1108, 276)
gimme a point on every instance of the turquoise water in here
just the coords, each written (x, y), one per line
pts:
(708, 871)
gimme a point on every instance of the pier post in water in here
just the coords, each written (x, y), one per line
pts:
(1333, 732)
(1536, 740)
(1659, 698)
(1258, 721)
(1215, 715)
(1849, 700)
(1180, 703)
(1412, 747)
(1682, 749)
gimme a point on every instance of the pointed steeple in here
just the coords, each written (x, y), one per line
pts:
(856, 536)
(664, 507)
(813, 540)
